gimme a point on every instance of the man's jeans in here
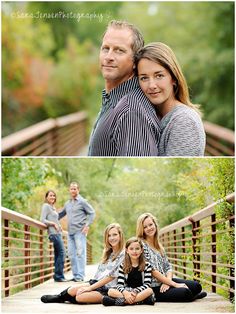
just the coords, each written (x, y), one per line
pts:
(59, 256)
(77, 254)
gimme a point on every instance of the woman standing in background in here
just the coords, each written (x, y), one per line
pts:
(49, 217)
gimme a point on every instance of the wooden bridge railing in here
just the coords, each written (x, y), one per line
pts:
(219, 140)
(201, 247)
(27, 254)
(63, 136)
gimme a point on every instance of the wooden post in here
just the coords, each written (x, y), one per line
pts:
(213, 251)
(6, 255)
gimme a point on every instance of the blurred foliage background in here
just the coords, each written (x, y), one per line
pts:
(119, 189)
(50, 55)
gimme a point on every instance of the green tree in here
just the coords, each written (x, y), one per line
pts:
(20, 176)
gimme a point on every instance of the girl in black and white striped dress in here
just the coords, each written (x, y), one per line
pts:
(134, 278)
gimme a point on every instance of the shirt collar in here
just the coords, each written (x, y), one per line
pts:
(76, 198)
(120, 91)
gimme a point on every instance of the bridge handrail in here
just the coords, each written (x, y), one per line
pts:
(30, 139)
(65, 136)
(219, 132)
(197, 246)
(201, 214)
(21, 218)
(219, 140)
(25, 243)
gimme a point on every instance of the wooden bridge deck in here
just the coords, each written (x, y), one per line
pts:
(28, 301)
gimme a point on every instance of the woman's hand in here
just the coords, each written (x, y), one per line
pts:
(129, 297)
(181, 285)
(82, 290)
(56, 227)
(164, 288)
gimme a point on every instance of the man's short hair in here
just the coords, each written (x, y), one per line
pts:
(75, 183)
(138, 41)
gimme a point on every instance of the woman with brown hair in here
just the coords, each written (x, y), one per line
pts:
(106, 274)
(162, 81)
(166, 288)
(49, 217)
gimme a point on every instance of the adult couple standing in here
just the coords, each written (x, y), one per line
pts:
(146, 109)
(80, 214)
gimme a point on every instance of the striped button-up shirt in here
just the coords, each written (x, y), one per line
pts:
(127, 124)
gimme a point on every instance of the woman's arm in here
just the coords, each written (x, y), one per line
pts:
(186, 136)
(100, 283)
(166, 280)
(164, 286)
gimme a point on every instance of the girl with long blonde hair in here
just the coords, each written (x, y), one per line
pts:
(106, 274)
(166, 288)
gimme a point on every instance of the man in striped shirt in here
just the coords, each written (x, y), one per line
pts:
(127, 124)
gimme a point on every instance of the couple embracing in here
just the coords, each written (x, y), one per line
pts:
(146, 108)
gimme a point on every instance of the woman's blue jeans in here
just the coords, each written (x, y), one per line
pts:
(59, 256)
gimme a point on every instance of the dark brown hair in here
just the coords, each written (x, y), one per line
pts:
(127, 265)
(46, 195)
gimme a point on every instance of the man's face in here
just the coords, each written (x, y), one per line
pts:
(116, 56)
(74, 191)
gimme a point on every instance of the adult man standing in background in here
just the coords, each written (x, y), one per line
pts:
(80, 214)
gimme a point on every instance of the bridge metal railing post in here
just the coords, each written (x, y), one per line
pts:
(41, 255)
(175, 249)
(213, 250)
(27, 255)
(232, 270)
(183, 250)
(6, 256)
(196, 250)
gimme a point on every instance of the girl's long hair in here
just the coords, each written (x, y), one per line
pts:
(141, 235)
(107, 251)
(127, 265)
